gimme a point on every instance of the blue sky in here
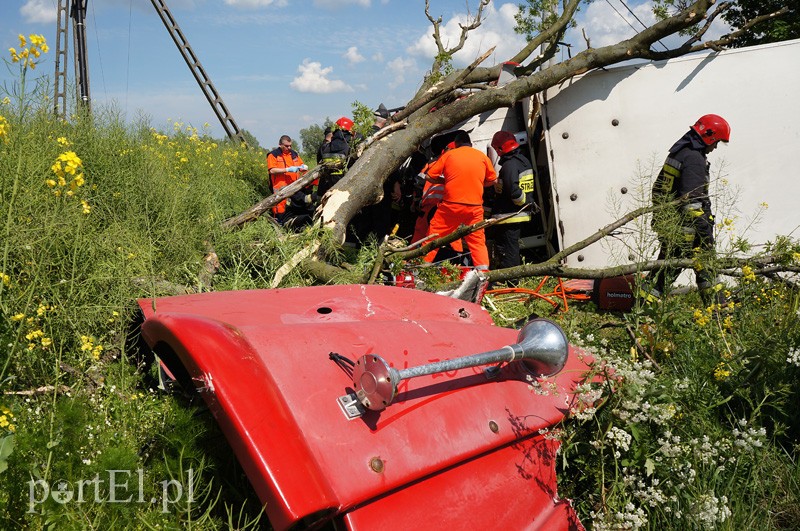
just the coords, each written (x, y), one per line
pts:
(279, 65)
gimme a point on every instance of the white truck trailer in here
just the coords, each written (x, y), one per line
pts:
(600, 139)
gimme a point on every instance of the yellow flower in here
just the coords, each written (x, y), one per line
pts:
(5, 279)
(62, 141)
(721, 373)
(87, 343)
(747, 273)
(18, 317)
(5, 129)
(85, 206)
(34, 335)
(700, 317)
(22, 42)
(77, 181)
(46, 342)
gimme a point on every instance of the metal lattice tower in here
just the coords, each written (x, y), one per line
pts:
(60, 97)
(213, 97)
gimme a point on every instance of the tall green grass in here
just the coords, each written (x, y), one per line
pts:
(96, 213)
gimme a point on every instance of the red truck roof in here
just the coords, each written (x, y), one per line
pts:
(454, 448)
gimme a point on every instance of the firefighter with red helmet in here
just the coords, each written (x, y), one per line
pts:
(336, 153)
(513, 194)
(465, 172)
(685, 178)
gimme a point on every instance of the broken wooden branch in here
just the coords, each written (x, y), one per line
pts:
(254, 212)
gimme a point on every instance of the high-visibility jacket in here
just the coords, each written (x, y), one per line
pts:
(513, 187)
(465, 172)
(278, 159)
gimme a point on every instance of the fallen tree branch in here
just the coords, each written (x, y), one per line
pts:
(267, 203)
(300, 256)
(437, 91)
(724, 266)
(459, 233)
(45, 389)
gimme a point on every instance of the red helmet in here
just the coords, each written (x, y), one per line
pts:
(712, 128)
(345, 123)
(504, 142)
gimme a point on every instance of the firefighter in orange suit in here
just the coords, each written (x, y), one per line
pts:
(285, 166)
(465, 172)
(432, 194)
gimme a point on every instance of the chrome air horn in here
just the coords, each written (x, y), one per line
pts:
(541, 345)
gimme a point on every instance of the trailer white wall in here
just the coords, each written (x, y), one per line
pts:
(609, 131)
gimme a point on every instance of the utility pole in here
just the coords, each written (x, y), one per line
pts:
(76, 12)
(78, 15)
(213, 97)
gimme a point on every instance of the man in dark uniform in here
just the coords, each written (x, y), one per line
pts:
(336, 152)
(685, 177)
(512, 191)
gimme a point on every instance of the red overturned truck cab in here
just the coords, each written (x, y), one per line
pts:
(370, 407)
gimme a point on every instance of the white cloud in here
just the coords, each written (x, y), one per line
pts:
(604, 26)
(313, 78)
(377, 57)
(497, 29)
(335, 4)
(254, 4)
(353, 56)
(43, 11)
(397, 70)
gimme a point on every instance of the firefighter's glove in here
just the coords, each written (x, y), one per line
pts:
(303, 167)
(309, 199)
(291, 169)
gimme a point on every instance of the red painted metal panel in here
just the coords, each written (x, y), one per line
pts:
(262, 359)
(511, 488)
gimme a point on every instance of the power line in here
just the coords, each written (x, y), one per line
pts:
(99, 56)
(622, 16)
(128, 65)
(640, 20)
(634, 16)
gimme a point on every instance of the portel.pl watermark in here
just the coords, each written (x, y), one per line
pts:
(115, 486)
